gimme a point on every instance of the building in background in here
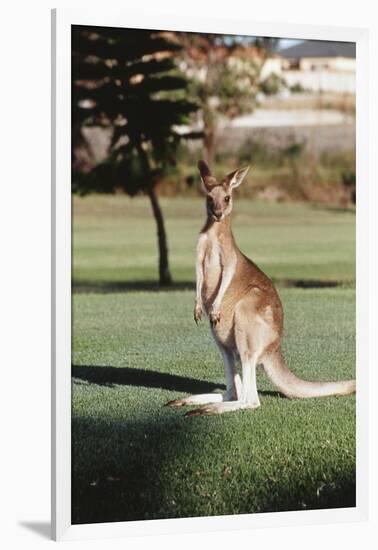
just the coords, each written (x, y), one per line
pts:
(318, 66)
(315, 55)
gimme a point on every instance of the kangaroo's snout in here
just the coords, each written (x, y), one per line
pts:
(218, 203)
(217, 214)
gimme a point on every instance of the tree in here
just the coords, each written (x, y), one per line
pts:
(225, 73)
(127, 80)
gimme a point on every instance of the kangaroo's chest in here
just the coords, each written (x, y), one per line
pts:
(212, 269)
(212, 259)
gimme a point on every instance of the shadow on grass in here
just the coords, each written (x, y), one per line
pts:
(109, 376)
(337, 209)
(120, 469)
(130, 470)
(114, 287)
(307, 283)
(128, 376)
(111, 287)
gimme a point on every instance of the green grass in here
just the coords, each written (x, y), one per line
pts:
(134, 350)
(115, 239)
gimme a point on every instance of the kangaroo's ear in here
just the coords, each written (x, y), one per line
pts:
(235, 178)
(207, 177)
(204, 169)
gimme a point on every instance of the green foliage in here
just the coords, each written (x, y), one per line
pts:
(225, 77)
(229, 90)
(294, 150)
(127, 80)
(297, 88)
(127, 174)
(254, 151)
(272, 84)
(282, 170)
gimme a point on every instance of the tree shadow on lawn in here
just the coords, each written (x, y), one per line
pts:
(128, 376)
(171, 467)
(110, 376)
(337, 209)
(168, 466)
(114, 287)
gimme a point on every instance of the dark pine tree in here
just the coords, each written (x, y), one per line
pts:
(127, 80)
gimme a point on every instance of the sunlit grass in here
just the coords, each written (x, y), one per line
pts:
(133, 351)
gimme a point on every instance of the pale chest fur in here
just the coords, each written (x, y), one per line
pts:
(212, 267)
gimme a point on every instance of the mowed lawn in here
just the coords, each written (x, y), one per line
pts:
(136, 347)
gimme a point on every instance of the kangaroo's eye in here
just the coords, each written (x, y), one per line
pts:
(227, 198)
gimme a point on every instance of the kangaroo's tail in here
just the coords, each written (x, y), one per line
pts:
(292, 386)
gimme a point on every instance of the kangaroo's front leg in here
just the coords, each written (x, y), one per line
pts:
(228, 270)
(198, 307)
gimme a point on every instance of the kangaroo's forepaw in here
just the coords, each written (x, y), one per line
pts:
(197, 313)
(214, 318)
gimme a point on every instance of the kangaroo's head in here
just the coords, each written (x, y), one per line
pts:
(219, 193)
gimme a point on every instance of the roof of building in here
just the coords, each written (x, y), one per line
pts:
(320, 48)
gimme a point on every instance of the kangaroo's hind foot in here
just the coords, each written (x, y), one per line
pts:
(220, 408)
(201, 399)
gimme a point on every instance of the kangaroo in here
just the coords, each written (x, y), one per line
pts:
(245, 312)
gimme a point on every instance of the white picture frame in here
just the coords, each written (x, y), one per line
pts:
(62, 529)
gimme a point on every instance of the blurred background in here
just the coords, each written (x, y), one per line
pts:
(147, 105)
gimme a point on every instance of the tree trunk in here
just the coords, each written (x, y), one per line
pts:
(209, 145)
(165, 278)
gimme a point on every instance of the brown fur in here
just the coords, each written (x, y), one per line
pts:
(244, 309)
